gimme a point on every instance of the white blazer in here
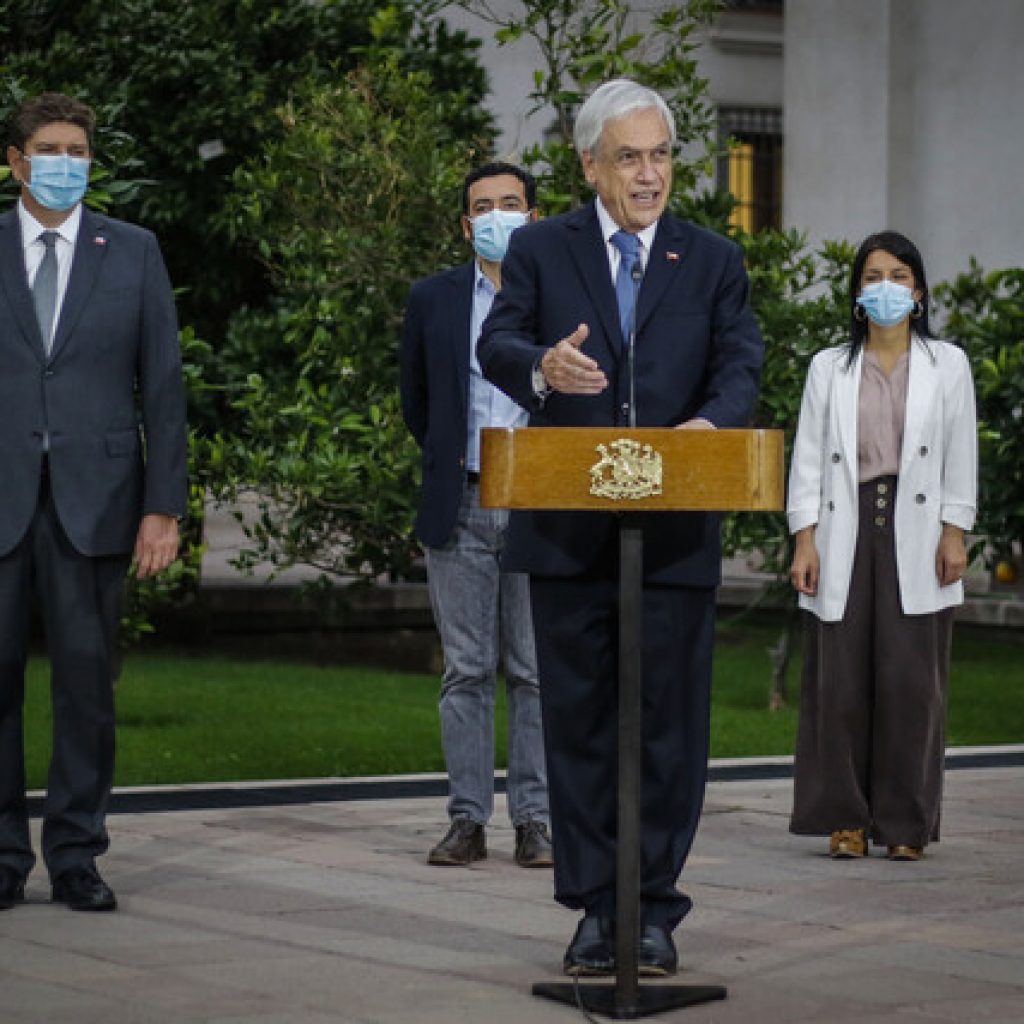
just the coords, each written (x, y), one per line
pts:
(937, 478)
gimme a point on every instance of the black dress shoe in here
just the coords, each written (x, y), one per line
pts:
(12, 888)
(463, 844)
(533, 845)
(657, 957)
(82, 888)
(592, 950)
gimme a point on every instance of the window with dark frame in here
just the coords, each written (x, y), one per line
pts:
(755, 6)
(750, 165)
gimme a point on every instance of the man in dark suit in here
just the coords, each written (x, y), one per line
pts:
(88, 356)
(477, 608)
(681, 350)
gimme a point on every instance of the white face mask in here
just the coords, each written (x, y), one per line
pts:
(58, 181)
(492, 230)
(886, 302)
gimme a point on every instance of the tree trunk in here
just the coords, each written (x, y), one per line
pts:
(780, 655)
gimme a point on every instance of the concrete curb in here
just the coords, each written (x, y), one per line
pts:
(278, 792)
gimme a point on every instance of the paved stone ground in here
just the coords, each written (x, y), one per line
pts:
(317, 913)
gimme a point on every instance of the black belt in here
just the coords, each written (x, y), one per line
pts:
(472, 476)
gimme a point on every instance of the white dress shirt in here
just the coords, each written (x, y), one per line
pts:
(609, 227)
(488, 406)
(67, 235)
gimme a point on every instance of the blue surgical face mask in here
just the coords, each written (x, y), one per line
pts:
(491, 232)
(886, 302)
(58, 181)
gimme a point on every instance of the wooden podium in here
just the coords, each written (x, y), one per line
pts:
(631, 472)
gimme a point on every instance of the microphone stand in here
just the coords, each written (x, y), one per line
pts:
(637, 275)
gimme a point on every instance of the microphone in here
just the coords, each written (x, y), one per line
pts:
(636, 273)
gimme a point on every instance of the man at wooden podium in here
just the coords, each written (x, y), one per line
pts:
(619, 314)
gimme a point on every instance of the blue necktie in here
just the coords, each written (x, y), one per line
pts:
(625, 287)
(44, 289)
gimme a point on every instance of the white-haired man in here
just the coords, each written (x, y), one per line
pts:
(579, 291)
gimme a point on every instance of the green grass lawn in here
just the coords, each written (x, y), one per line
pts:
(190, 718)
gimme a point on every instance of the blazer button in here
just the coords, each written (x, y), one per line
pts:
(831, 506)
(923, 450)
(836, 457)
(919, 498)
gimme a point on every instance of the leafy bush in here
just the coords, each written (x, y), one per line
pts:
(196, 86)
(985, 312)
(361, 188)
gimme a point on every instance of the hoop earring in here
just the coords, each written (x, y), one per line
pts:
(918, 311)
(858, 313)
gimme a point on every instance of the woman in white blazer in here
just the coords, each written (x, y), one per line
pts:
(882, 488)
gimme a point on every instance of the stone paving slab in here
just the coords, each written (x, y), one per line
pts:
(327, 912)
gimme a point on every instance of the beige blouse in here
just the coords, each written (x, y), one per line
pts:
(881, 411)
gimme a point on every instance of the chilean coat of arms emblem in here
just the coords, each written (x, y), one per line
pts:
(626, 470)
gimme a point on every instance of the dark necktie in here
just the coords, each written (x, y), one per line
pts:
(625, 287)
(44, 288)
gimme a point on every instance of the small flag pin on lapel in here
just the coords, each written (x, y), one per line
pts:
(99, 240)
(672, 257)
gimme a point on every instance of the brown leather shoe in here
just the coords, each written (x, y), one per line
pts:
(901, 852)
(533, 845)
(463, 844)
(847, 844)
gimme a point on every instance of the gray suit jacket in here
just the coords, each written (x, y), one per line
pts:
(110, 394)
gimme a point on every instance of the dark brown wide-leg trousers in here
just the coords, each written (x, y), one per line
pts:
(871, 735)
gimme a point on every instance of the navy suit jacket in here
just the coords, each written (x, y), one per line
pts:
(435, 393)
(110, 394)
(698, 354)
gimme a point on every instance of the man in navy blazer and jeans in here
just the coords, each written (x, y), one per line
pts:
(93, 461)
(556, 341)
(479, 610)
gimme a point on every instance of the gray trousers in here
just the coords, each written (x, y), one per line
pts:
(483, 616)
(871, 735)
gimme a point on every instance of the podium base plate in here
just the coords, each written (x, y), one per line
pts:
(650, 999)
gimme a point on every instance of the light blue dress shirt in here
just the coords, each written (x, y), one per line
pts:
(488, 406)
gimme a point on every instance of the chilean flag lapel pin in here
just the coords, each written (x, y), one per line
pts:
(672, 257)
(99, 240)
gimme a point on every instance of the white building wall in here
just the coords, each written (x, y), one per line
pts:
(834, 117)
(958, 135)
(510, 72)
(907, 114)
(739, 56)
(897, 113)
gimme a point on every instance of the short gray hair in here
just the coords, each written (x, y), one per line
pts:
(611, 101)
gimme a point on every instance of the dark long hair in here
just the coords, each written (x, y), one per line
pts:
(903, 249)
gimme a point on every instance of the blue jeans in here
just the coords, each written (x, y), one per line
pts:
(481, 612)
